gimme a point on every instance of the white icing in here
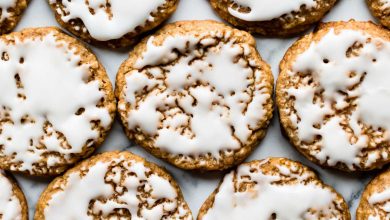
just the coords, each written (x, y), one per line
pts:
(10, 208)
(382, 199)
(54, 88)
(264, 197)
(4, 6)
(327, 64)
(188, 118)
(112, 19)
(95, 187)
(265, 10)
(385, 4)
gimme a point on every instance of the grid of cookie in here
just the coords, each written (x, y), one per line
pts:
(363, 45)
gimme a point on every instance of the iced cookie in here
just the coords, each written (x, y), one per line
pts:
(56, 102)
(381, 10)
(196, 94)
(113, 185)
(375, 201)
(10, 13)
(274, 188)
(333, 93)
(113, 23)
(13, 205)
(272, 17)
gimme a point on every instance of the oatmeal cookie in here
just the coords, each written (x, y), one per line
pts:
(333, 93)
(274, 188)
(375, 201)
(113, 185)
(112, 23)
(196, 94)
(10, 14)
(13, 205)
(56, 103)
(381, 10)
(273, 17)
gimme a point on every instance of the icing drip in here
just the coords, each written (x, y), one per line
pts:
(265, 10)
(111, 19)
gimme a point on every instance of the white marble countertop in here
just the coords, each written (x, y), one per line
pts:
(196, 186)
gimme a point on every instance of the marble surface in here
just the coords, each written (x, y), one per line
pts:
(197, 186)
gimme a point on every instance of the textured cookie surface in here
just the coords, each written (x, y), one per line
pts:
(381, 10)
(333, 94)
(196, 94)
(375, 201)
(13, 204)
(274, 188)
(114, 23)
(56, 101)
(10, 14)
(276, 17)
(113, 185)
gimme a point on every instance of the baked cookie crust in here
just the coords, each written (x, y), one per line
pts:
(381, 10)
(10, 13)
(213, 93)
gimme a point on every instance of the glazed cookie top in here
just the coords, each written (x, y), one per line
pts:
(265, 10)
(56, 101)
(12, 202)
(5, 5)
(333, 94)
(111, 20)
(274, 188)
(375, 200)
(198, 93)
(124, 185)
(10, 14)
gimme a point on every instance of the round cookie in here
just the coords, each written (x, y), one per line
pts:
(113, 23)
(333, 93)
(272, 18)
(10, 14)
(381, 10)
(56, 102)
(196, 94)
(113, 185)
(13, 205)
(274, 188)
(375, 200)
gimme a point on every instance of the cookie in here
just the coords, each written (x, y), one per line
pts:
(10, 14)
(113, 185)
(375, 200)
(196, 94)
(113, 23)
(381, 10)
(274, 188)
(13, 205)
(333, 91)
(56, 102)
(272, 18)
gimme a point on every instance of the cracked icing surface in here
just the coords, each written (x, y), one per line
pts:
(124, 186)
(108, 20)
(336, 98)
(54, 104)
(10, 205)
(196, 96)
(264, 10)
(5, 5)
(274, 188)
